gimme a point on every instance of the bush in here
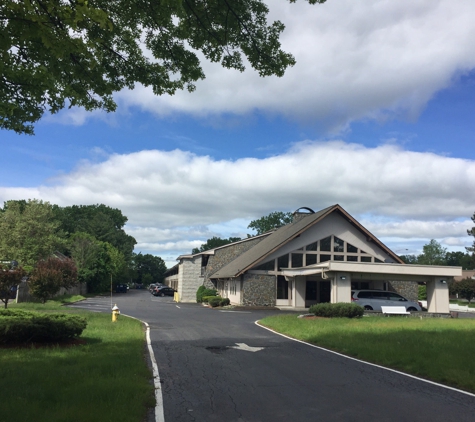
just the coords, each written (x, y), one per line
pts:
(26, 327)
(202, 292)
(422, 294)
(337, 310)
(218, 301)
(205, 299)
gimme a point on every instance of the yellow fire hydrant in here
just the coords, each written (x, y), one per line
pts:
(115, 313)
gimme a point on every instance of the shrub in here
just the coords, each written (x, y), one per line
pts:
(337, 310)
(218, 301)
(202, 292)
(422, 294)
(224, 302)
(205, 299)
(26, 327)
(199, 294)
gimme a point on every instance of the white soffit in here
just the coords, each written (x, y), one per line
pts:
(374, 268)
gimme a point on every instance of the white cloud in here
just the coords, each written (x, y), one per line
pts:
(374, 59)
(175, 200)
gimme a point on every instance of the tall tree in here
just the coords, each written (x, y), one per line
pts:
(106, 224)
(433, 254)
(214, 242)
(80, 52)
(272, 221)
(28, 231)
(471, 249)
(149, 268)
(459, 259)
(97, 262)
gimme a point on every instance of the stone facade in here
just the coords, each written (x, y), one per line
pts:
(408, 289)
(258, 290)
(225, 255)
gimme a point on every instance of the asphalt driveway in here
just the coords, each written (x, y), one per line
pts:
(221, 366)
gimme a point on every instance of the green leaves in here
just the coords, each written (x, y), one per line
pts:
(78, 53)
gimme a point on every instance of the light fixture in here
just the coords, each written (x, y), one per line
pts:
(443, 281)
(342, 277)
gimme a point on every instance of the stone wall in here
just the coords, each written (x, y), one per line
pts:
(408, 289)
(258, 290)
(225, 255)
(24, 295)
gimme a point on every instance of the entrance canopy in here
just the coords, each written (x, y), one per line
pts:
(341, 274)
(375, 271)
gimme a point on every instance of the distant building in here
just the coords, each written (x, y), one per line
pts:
(319, 257)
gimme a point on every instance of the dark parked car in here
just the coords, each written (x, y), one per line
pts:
(163, 291)
(121, 288)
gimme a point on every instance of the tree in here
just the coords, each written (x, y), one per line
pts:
(471, 249)
(459, 259)
(50, 275)
(464, 288)
(272, 221)
(149, 269)
(80, 52)
(104, 223)
(409, 259)
(433, 254)
(214, 242)
(9, 281)
(96, 261)
(28, 231)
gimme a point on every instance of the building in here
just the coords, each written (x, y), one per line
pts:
(319, 257)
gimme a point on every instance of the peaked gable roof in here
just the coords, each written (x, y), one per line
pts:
(285, 234)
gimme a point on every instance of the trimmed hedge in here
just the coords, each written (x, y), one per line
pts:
(218, 301)
(18, 327)
(206, 299)
(337, 310)
(203, 292)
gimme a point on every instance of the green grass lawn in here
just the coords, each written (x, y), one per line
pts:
(107, 379)
(442, 350)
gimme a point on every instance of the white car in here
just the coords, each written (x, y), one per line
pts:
(372, 300)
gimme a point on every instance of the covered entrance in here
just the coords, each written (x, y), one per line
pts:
(317, 291)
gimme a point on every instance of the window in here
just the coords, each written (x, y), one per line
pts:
(312, 247)
(267, 266)
(310, 259)
(350, 248)
(297, 260)
(338, 244)
(325, 244)
(338, 257)
(352, 258)
(365, 259)
(324, 258)
(283, 262)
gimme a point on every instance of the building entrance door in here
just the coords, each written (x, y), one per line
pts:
(311, 293)
(324, 292)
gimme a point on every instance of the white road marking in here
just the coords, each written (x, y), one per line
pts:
(238, 312)
(177, 306)
(159, 416)
(368, 363)
(244, 346)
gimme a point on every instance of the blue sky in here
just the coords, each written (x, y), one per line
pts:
(377, 115)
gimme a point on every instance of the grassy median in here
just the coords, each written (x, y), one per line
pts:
(105, 379)
(442, 350)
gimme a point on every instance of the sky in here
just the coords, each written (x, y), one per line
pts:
(377, 115)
